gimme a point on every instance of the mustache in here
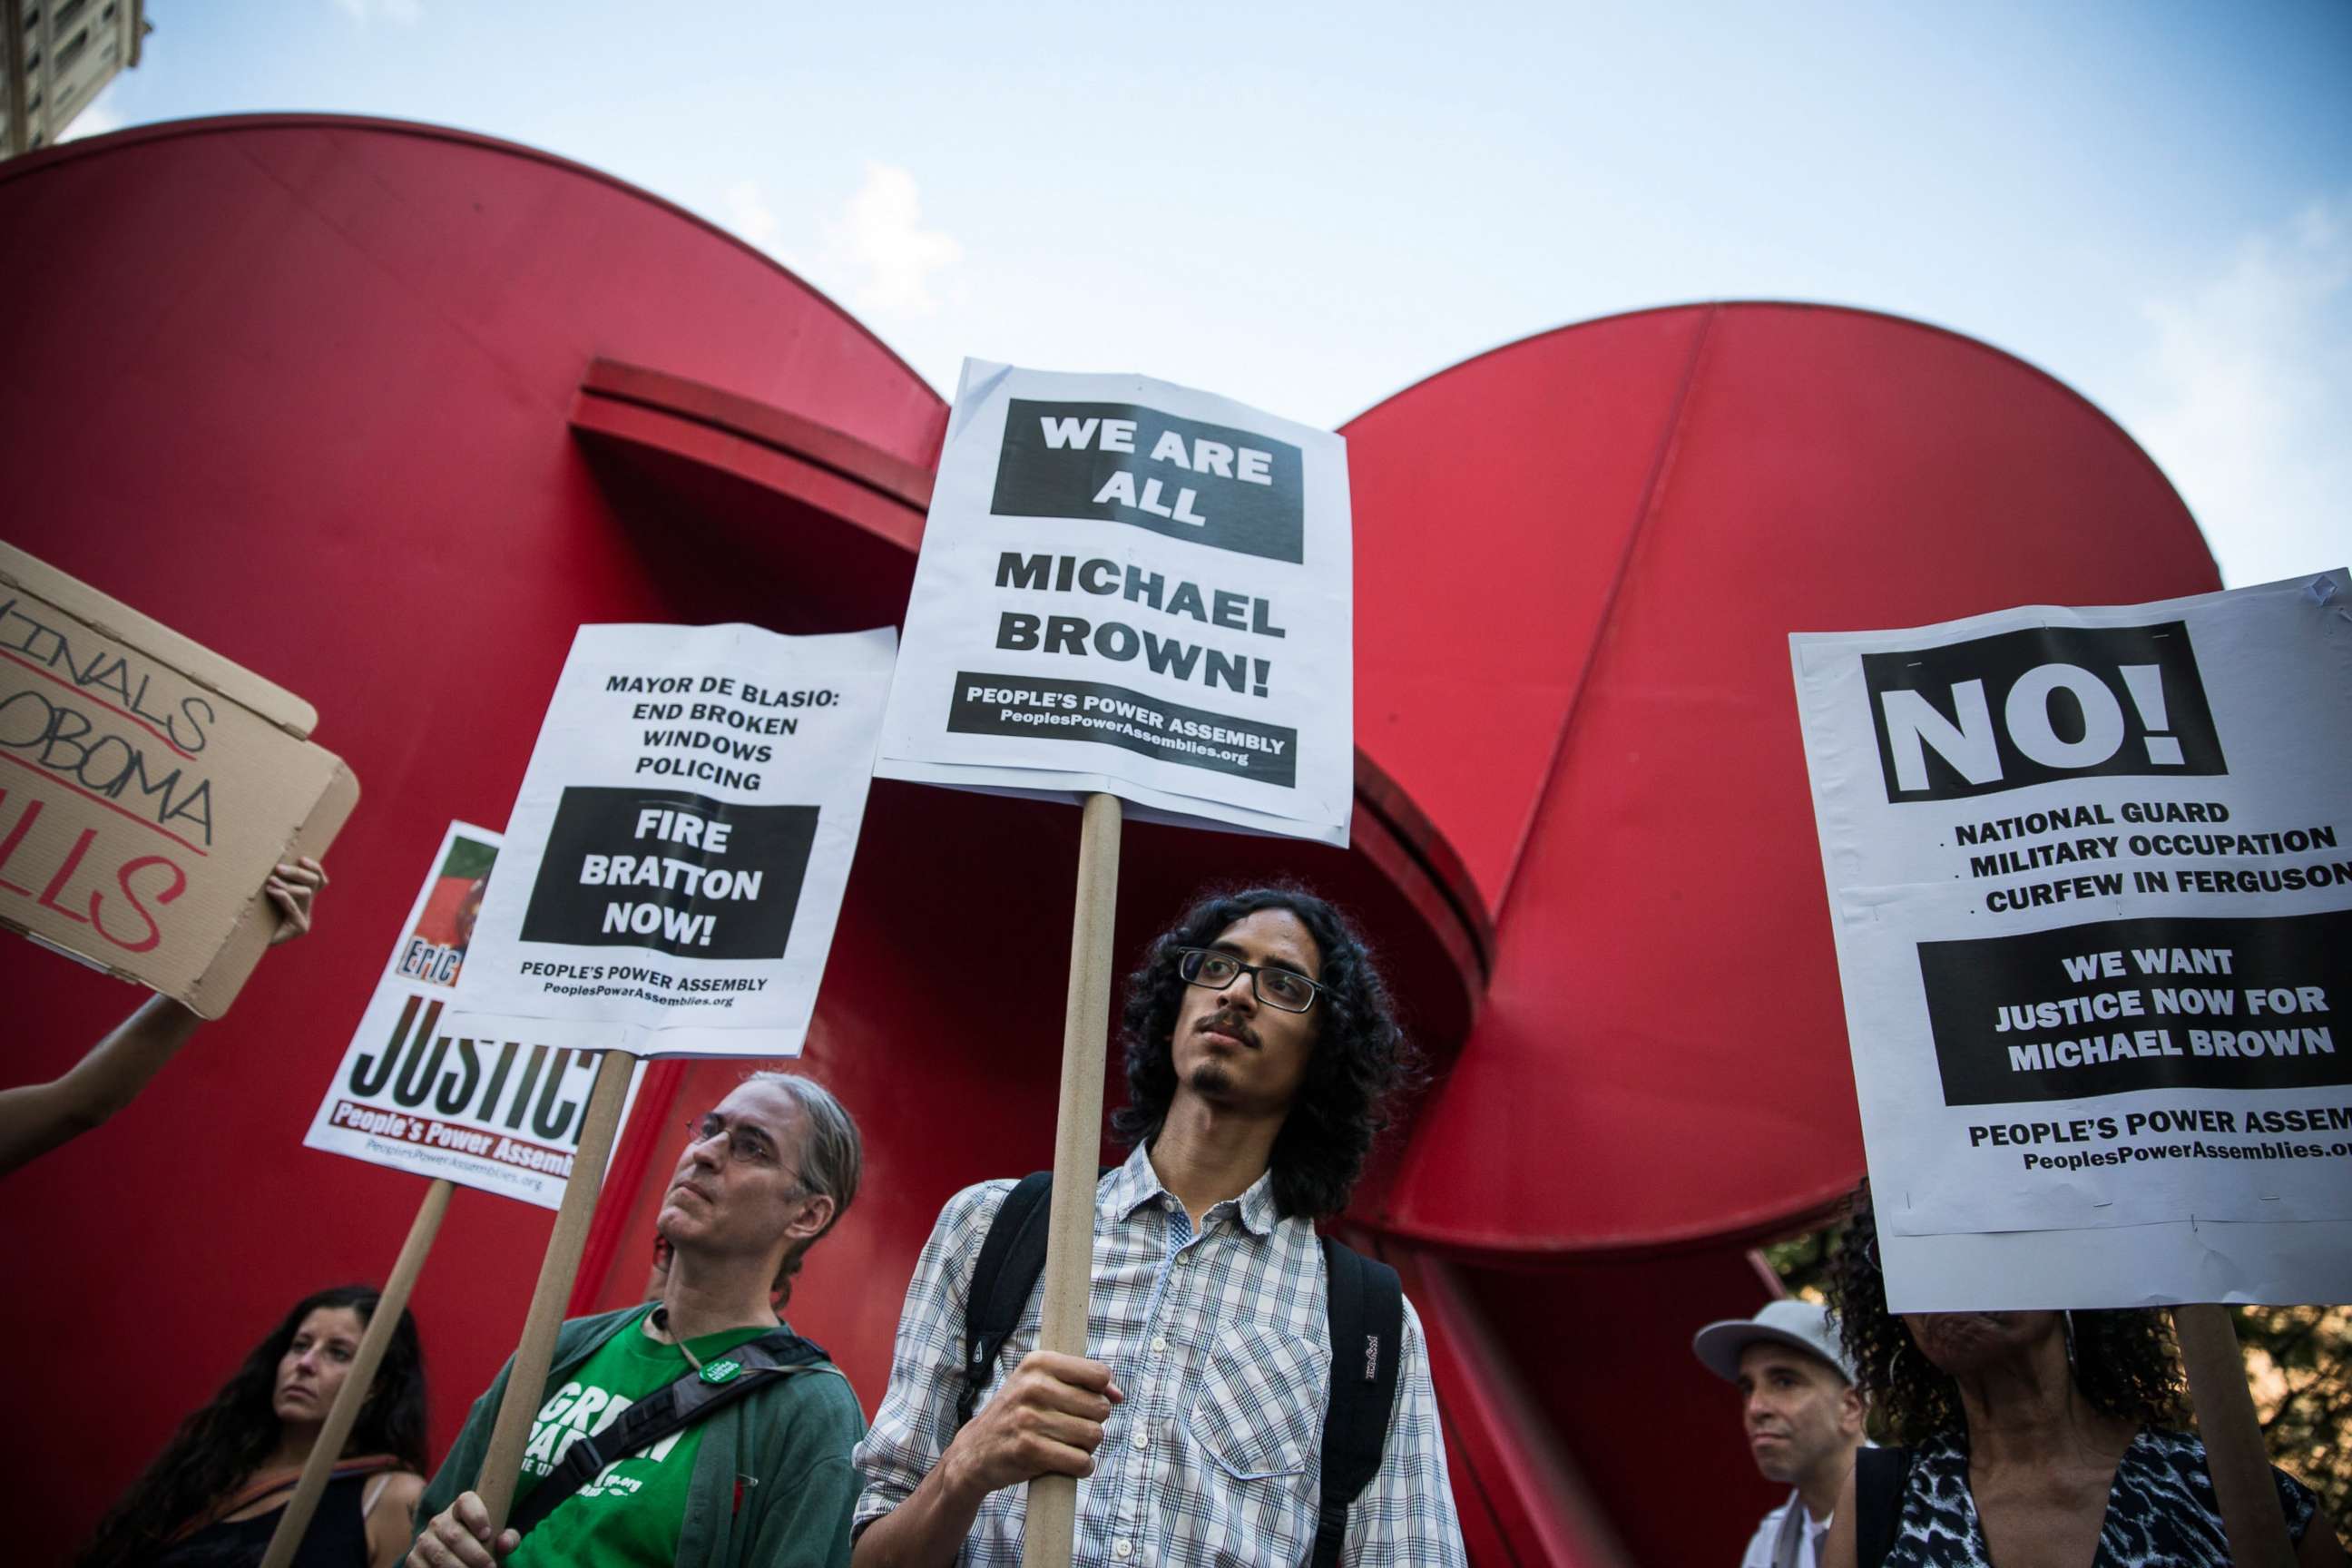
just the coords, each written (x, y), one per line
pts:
(1226, 1021)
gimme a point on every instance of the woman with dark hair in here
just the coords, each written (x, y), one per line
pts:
(2028, 1438)
(212, 1498)
(1361, 1065)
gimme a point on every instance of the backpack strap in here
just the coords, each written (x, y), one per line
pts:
(1880, 1478)
(1011, 1258)
(272, 1482)
(673, 1407)
(1364, 1303)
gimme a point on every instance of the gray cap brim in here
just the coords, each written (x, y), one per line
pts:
(1718, 1346)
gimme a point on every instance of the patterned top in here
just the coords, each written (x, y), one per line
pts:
(2161, 1511)
(1218, 1340)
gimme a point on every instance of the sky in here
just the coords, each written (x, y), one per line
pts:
(1310, 208)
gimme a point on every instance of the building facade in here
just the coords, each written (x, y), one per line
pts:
(59, 55)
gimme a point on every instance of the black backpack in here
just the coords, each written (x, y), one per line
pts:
(1364, 1311)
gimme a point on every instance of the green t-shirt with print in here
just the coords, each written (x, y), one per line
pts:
(630, 1512)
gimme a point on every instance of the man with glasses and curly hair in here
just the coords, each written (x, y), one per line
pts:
(1261, 1053)
(762, 1475)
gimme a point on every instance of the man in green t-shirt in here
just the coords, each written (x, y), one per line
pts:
(766, 1479)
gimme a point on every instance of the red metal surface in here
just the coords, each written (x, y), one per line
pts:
(300, 388)
(636, 1169)
(1596, 1356)
(1587, 688)
(1520, 1497)
(1501, 494)
(385, 411)
(651, 412)
(1435, 864)
(358, 436)
(907, 483)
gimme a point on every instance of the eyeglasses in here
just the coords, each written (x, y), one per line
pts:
(745, 1145)
(1284, 988)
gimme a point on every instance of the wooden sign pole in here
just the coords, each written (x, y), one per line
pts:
(502, 1464)
(2234, 1455)
(1053, 1520)
(359, 1380)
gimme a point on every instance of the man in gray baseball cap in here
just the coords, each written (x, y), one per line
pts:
(1802, 1415)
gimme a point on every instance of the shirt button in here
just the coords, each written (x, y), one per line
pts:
(1141, 1439)
(1159, 1341)
(1122, 1549)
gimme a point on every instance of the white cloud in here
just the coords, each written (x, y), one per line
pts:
(878, 255)
(406, 12)
(95, 120)
(749, 215)
(873, 255)
(2244, 397)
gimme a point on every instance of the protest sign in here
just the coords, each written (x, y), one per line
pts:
(672, 872)
(676, 859)
(502, 1115)
(1132, 587)
(2090, 874)
(1128, 591)
(147, 787)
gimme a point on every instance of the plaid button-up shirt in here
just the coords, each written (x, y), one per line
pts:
(1219, 1341)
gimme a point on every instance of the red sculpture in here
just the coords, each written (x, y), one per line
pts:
(384, 411)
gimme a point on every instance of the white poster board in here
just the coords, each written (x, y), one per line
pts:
(1132, 587)
(675, 863)
(2090, 872)
(501, 1115)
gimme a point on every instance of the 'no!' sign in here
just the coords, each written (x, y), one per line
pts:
(2047, 702)
(2090, 881)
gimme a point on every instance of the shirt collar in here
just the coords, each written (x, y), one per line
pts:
(1128, 1188)
(1134, 1183)
(1796, 1505)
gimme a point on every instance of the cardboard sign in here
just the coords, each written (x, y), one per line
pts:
(676, 860)
(501, 1115)
(1131, 587)
(147, 787)
(2091, 876)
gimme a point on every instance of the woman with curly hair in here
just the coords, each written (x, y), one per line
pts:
(2028, 1438)
(212, 1498)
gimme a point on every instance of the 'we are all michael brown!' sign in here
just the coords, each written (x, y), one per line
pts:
(147, 787)
(1136, 588)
